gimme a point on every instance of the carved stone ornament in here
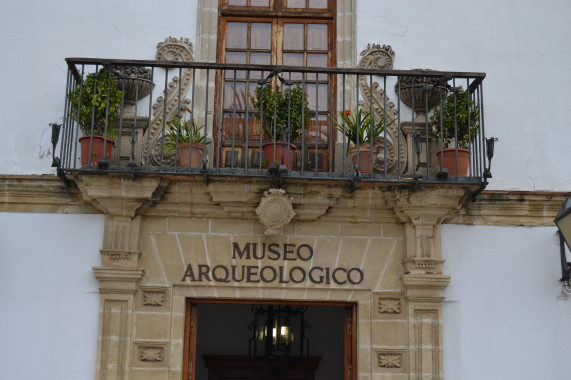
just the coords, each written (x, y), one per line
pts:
(275, 211)
(381, 58)
(389, 306)
(151, 354)
(171, 50)
(153, 298)
(389, 360)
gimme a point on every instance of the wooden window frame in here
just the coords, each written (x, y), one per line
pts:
(277, 15)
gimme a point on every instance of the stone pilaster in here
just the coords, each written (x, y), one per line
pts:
(120, 198)
(423, 212)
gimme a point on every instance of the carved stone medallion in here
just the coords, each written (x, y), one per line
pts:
(275, 211)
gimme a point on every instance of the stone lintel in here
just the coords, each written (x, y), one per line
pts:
(118, 280)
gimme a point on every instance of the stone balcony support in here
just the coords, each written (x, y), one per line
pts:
(422, 213)
(120, 198)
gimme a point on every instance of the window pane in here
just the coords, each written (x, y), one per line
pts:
(319, 103)
(316, 60)
(293, 36)
(230, 95)
(318, 4)
(261, 36)
(296, 3)
(260, 3)
(293, 59)
(237, 2)
(235, 57)
(317, 37)
(236, 35)
(259, 59)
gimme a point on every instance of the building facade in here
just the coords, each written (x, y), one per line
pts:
(404, 272)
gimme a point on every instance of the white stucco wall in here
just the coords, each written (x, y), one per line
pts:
(35, 38)
(522, 46)
(504, 317)
(49, 297)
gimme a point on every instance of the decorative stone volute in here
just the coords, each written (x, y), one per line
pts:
(275, 211)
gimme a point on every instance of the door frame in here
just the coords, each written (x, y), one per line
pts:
(191, 329)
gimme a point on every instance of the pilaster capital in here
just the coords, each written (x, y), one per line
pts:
(429, 205)
(423, 211)
(118, 280)
(425, 288)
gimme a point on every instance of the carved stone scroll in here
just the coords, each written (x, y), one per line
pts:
(171, 50)
(381, 58)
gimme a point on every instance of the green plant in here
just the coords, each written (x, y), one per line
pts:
(456, 120)
(182, 128)
(96, 103)
(360, 129)
(289, 106)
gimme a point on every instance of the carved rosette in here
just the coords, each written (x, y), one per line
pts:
(275, 211)
(381, 58)
(171, 50)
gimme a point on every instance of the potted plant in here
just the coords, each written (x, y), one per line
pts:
(361, 129)
(94, 106)
(292, 113)
(455, 124)
(185, 136)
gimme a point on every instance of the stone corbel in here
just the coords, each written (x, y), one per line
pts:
(423, 212)
(120, 198)
(120, 195)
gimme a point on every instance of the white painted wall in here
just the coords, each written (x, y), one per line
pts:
(503, 316)
(522, 46)
(35, 38)
(49, 297)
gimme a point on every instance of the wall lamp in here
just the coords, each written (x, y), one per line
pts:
(563, 222)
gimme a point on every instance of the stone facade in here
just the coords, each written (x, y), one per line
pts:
(170, 239)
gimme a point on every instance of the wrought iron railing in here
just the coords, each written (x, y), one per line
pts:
(238, 112)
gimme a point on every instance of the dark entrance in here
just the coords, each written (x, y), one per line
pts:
(217, 335)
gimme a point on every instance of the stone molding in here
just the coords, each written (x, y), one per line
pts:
(41, 194)
(47, 194)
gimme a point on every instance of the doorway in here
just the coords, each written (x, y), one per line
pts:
(216, 328)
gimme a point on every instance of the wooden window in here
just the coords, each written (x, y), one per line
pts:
(274, 32)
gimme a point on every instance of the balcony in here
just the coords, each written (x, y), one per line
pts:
(144, 109)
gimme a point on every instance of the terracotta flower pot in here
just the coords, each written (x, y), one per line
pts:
(448, 160)
(195, 154)
(98, 144)
(362, 157)
(277, 148)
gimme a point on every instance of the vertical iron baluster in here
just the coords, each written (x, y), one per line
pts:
(399, 171)
(150, 113)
